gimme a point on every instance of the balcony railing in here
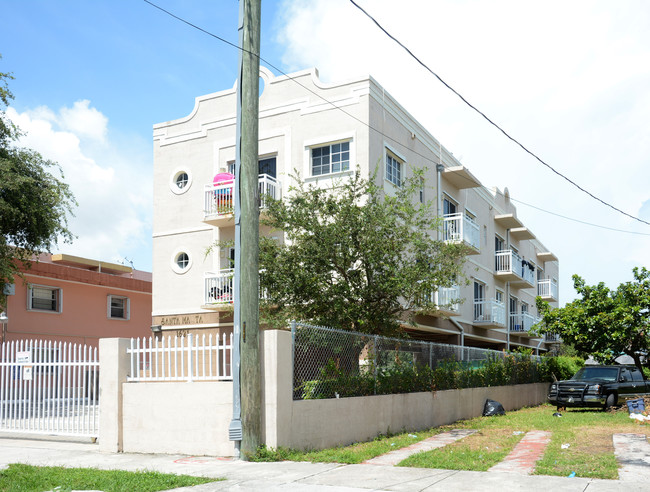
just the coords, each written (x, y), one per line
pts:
(219, 199)
(446, 298)
(489, 311)
(522, 322)
(459, 228)
(552, 338)
(508, 261)
(547, 288)
(220, 287)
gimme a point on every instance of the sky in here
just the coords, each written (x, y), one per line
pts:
(569, 80)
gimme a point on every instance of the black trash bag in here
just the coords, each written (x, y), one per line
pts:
(492, 408)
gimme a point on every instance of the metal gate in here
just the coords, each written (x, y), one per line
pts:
(50, 388)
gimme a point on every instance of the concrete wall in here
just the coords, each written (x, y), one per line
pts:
(178, 418)
(316, 424)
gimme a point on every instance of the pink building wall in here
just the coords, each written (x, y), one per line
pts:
(84, 294)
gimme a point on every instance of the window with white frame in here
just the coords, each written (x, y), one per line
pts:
(329, 159)
(43, 298)
(118, 307)
(393, 169)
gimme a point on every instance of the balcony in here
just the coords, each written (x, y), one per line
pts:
(460, 229)
(521, 323)
(489, 312)
(552, 338)
(446, 300)
(218, 207)
(220, 288)
(509, 267)
(547, 289)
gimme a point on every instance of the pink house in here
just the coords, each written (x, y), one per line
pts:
(78, 300)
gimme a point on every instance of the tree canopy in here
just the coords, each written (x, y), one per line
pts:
(34, 203)
(604, 323)
(354, 257)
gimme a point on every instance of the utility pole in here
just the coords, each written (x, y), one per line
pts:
(246, 425)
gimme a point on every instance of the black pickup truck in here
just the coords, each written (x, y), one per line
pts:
(599, 386)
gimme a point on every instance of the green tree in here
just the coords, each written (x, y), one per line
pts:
(354, 257)
(604, 323)
(34, 204)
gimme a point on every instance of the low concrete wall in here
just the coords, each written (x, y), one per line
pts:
(178, 418)
(317, 424)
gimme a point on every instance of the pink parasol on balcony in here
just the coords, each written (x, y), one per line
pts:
(223, 178)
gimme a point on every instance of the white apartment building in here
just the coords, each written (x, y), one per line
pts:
(300, 130)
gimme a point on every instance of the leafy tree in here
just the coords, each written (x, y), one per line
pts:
(354, 257)
(604, 323)
(33, 203)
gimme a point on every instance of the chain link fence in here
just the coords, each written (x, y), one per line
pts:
(331, 363)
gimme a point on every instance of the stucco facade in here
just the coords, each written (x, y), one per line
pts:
(78, 301)
(353, 123)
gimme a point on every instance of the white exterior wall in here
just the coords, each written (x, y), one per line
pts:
(292, 120)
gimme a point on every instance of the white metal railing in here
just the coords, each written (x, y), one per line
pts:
(219, 198)
(447, 298)
(190, 358)
(49, 387)
(489, 311)
(219, 288)
(460, 228)
(522, 322)
(547, 288)
(551, 337)
(508, 261)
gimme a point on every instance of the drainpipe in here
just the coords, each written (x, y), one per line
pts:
(462, 336)
(439, 169)
(537, 348)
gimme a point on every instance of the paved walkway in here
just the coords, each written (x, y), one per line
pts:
(632, 451)
(434, 442)
(525, 454)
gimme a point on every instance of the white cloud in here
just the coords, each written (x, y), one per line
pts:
(567, 79)
(113, 218)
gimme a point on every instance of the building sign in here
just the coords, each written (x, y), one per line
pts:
(24, 357)
(189, 319)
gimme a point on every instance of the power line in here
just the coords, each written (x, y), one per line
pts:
(426, 158)
(489, 120)
(578, 220)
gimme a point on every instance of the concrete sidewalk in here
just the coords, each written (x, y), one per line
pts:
(290, 476)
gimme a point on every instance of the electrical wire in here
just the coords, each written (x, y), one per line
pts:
(492, 122)
(426, 158)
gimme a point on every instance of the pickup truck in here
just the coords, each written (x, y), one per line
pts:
(599, 386)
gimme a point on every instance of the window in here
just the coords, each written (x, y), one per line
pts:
(182, 260)
(268, 165)
(449, 207)
(180, 181)
(499, 296)
(334, 158)
(42, 298)
(421, 190)
(118, 307)
(393, 170)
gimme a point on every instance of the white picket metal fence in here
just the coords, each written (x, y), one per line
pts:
(49, 387)
(189, 358)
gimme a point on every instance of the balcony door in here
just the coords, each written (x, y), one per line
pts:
(479, 298)
(451, 229)
(515, 323)
(265, 166)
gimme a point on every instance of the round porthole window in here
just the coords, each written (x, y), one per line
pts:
(181, 262)
(180, 181)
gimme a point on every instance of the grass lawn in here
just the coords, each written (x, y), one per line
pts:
(588, 433)
(26, 478)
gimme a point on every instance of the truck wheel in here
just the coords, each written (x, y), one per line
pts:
(610, 402)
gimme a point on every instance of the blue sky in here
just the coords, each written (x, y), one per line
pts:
(571, 80)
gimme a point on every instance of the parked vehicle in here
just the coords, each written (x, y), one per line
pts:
(599, 386)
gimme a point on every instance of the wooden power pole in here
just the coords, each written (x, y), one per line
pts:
(246, 316)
